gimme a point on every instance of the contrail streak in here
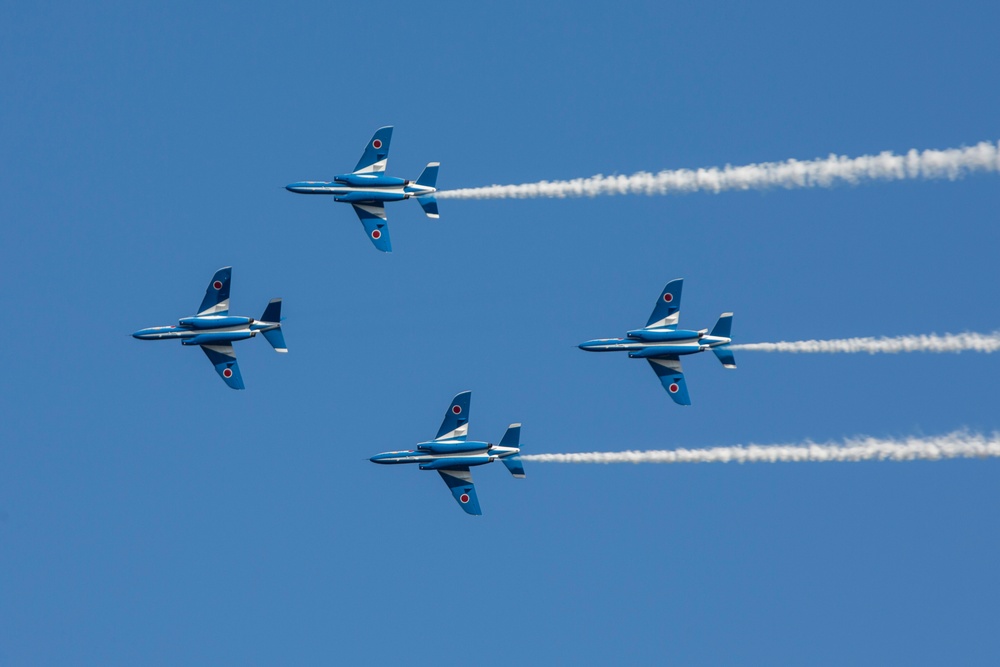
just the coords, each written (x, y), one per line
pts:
(950, 163)
(964, 342)
(957, 445)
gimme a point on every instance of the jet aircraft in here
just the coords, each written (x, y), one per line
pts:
(452, 456)
(214, 329)
(662, 344)
(367, 188)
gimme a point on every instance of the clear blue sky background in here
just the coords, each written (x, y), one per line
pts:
(149, 515)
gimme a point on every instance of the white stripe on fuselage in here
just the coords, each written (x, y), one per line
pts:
(178, 332)
(628, 344)
(347, 189)
(494, 451)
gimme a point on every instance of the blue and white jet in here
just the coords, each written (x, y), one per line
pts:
(215, 330)
(662, 344)
(452, 456)
(367, 188)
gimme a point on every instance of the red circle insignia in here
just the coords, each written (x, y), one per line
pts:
(377, 143)
(217, 285)
(376, 234)
(457, 409)
(464, 497)
(668, 297)
(228, 373)
(673, 388)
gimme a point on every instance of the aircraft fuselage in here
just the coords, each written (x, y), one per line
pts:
(444, 454)
(207, 330)
(646, 343)
(361, 188)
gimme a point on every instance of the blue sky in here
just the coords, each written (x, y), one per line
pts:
(150, 515)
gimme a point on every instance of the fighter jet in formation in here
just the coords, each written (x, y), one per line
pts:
(452, 456)
(662, 344)
(367, 188)
(214, 329)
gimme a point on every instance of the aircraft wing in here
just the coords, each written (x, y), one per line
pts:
(216, 301)
(224, 359)
(667, 311)
(671, 375)
(376, 155)
(372, 216)
(455, 425)
(459, 480)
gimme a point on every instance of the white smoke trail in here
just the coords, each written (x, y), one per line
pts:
(964, 342)
(951, 163)
(960, 444)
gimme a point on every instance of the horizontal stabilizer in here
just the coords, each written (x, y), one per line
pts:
(276, 339)
(430, 205)
(514, 465)
(725, 355)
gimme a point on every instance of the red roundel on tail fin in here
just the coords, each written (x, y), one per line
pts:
(376, 234)
(668, 297)
(377, 144)
(673, 388)
(217, 284)
(464, 497)
(457, 409)
(227, 373)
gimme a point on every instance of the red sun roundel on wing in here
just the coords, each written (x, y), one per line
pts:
(217, 284)
(457, 409)
(673, 388)
(377, 144)
(464, 497)
(376, 234)
(228, 373)
(668, 297)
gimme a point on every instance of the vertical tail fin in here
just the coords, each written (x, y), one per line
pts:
(274, 336)
(723, 328)
(512, 438)
(428, 177)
